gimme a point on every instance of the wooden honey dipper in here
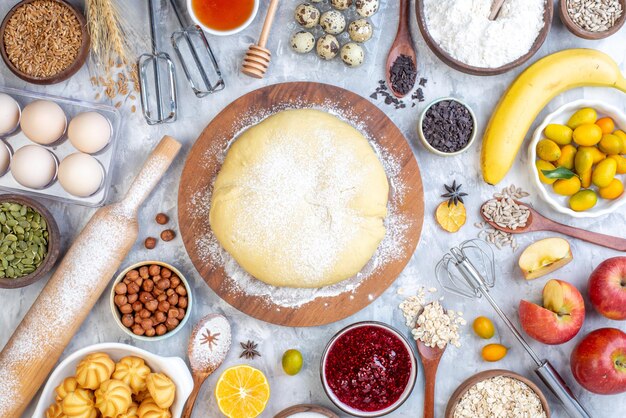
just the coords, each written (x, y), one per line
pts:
(257, 59)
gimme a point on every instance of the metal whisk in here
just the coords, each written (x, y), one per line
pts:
(184, 39)
(468, 271)
(158, 106)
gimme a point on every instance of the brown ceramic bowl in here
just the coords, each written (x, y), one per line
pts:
(469, 69)
(297, 409)
(585, 34)
(54, 243)
(63, 75)
(488, 374)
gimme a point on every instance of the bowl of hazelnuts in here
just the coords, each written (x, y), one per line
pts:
(150, 300)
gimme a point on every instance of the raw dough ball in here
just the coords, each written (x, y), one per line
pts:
(360, 30)
(33, 166)
(80, 174)
(333, 22)
(9, 114)
(302, 42)
(89, 132)
(366, 8)
(352, 54)
(300, 207)
(341, 4)
(43, 122)
(307, 15)
(327, 47)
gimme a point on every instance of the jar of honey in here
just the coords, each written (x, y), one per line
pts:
(223, 17)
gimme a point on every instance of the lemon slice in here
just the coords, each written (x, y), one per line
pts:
(451, 218)
(242, 392)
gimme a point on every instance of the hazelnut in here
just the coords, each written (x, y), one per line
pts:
(138, 330)
(154, 270)
(160, 317)
(171, 323)
(145, 297)
(172, 313)
(182, 302)
(133, 288)
(157, 292)
(137, 319)
(162, 219)
(150, 243)
(162, 297)
(126, 280)
(163, 284)
(126, 309)
(120, 288)
(175, 281)
(137, 306)
(164, 306)
(144, 313)
(146, 323)
(132, 275)
(166, 273)
(132, 298)
(128, 320)
(143, 272)
(147, 285)
(139, 281)
(120, 300)
(180, 289)
(168, 235)
(161, 329)
(152, 305)
(181, 314)
(173, 299)
(170, 292)
(150, 332)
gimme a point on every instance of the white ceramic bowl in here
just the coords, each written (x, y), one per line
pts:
(118, 317)
(561, 116)
(174, 367)
(212, 31)
(434, 150)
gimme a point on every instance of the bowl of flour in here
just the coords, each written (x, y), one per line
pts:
(461, 34)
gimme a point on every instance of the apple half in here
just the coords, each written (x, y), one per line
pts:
(544, 256)
(559, 319)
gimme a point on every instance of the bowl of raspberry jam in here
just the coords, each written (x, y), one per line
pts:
(368, 369)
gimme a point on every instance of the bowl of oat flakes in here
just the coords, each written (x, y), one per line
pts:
(497, 393)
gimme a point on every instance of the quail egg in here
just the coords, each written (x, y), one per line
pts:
(302, 42)
(352, 54)
(327, 47)
(360, 30)
(341, 4)
(333, 22)
(307, 15)
(366, 8)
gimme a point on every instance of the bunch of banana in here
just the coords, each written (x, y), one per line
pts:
(531, 92)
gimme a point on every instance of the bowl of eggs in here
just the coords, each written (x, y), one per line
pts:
(57, 148)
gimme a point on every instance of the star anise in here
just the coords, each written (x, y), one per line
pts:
(210, 339)
(454, 194)
(249, 350)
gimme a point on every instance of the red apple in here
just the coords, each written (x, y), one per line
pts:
(599, 361)
(559, 319)
(607, 288)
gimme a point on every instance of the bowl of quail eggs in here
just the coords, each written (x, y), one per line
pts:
(334, 28)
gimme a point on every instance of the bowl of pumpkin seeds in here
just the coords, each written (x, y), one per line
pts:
(29, 241)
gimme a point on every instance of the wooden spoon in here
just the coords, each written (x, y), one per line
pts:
(208, 346)
(538, 222)
(430, 357)
(496, 5)
(402, 45)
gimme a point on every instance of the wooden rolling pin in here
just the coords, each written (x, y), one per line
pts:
(74, 288)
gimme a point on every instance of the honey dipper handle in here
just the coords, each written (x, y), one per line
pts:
(269, 20)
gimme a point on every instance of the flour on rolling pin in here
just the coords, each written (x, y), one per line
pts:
(74, 288)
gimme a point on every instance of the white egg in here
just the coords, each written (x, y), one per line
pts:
(5, 158)
(80, 174)
(33, 166)
(89, 132)
(9, 114)
(43, 122)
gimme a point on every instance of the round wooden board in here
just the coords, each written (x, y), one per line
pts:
(203, 163)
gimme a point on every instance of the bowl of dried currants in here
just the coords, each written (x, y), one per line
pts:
(150, 300)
